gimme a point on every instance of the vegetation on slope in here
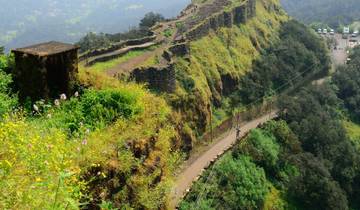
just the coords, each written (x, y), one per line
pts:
(109, 145)
(309, 158)
(212, 74)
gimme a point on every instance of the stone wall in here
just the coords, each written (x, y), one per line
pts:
(114, 55)
(181, 49)
(45, 77)
(238, 15)
(161, 78)
(117, 46)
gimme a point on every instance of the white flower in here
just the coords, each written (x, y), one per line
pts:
(57, 102)
(76, 94)
(49, 116)
(63, 97)
(36, 108)
(84, 142)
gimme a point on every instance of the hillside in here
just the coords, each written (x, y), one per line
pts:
(143, 106)
(306, 159)
(332, 12)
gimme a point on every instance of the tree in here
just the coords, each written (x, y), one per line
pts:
(93, 41)
(314, 186)
(2, 50)
(150, 20)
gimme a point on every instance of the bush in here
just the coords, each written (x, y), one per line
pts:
(7, 100)
(234, 183)
(262, 147)
(95, 109)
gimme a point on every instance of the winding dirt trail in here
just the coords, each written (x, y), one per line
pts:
(194, 168)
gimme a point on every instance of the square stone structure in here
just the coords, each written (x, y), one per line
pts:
(45, 70)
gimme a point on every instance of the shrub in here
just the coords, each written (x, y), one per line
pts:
(234, 183)
(93, 110)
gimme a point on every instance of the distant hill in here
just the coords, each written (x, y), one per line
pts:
(332, 12)
(24, 22)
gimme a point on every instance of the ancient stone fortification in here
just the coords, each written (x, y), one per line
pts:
(118, 46)
(118, 53)
(237, 15)
(45, 70)
(161, 78)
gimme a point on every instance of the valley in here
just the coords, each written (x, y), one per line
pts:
(232, 104)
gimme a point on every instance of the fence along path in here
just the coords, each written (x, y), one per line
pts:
(192, 172)
(266, 110)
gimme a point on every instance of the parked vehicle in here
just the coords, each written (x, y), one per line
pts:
(355, 34)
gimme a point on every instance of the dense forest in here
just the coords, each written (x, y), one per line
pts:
(332, 12)
(306, 159)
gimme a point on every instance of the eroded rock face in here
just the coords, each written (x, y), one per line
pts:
(160, 78)
(237, 15)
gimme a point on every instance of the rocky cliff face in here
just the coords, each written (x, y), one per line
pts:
(227, 18)
(221, 49)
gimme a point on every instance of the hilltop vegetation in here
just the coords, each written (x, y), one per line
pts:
(109, 145)
(332, 12)
(305, 160)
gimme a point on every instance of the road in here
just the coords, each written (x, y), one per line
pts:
(193, 169)
(339, 54)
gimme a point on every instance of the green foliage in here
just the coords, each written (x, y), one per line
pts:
(233, 183)
(95, 109)
(168, 32)
(8, 101)
(150, 19)
(262, 147)
(93, 41)
(313, 116)
(298, 53)
(314, 187)
(347, 79)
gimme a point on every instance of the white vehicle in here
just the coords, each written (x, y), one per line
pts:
(332, 32)
(355, 34)
(346, 30)
(320, 31)
(325, 31)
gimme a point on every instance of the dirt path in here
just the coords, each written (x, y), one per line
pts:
(130, 64)
(193, 169)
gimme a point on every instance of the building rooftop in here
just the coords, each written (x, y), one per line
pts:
(46, 49)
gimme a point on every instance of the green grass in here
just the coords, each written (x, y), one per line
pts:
(103, 66)
(168, 32)
(353, 131)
